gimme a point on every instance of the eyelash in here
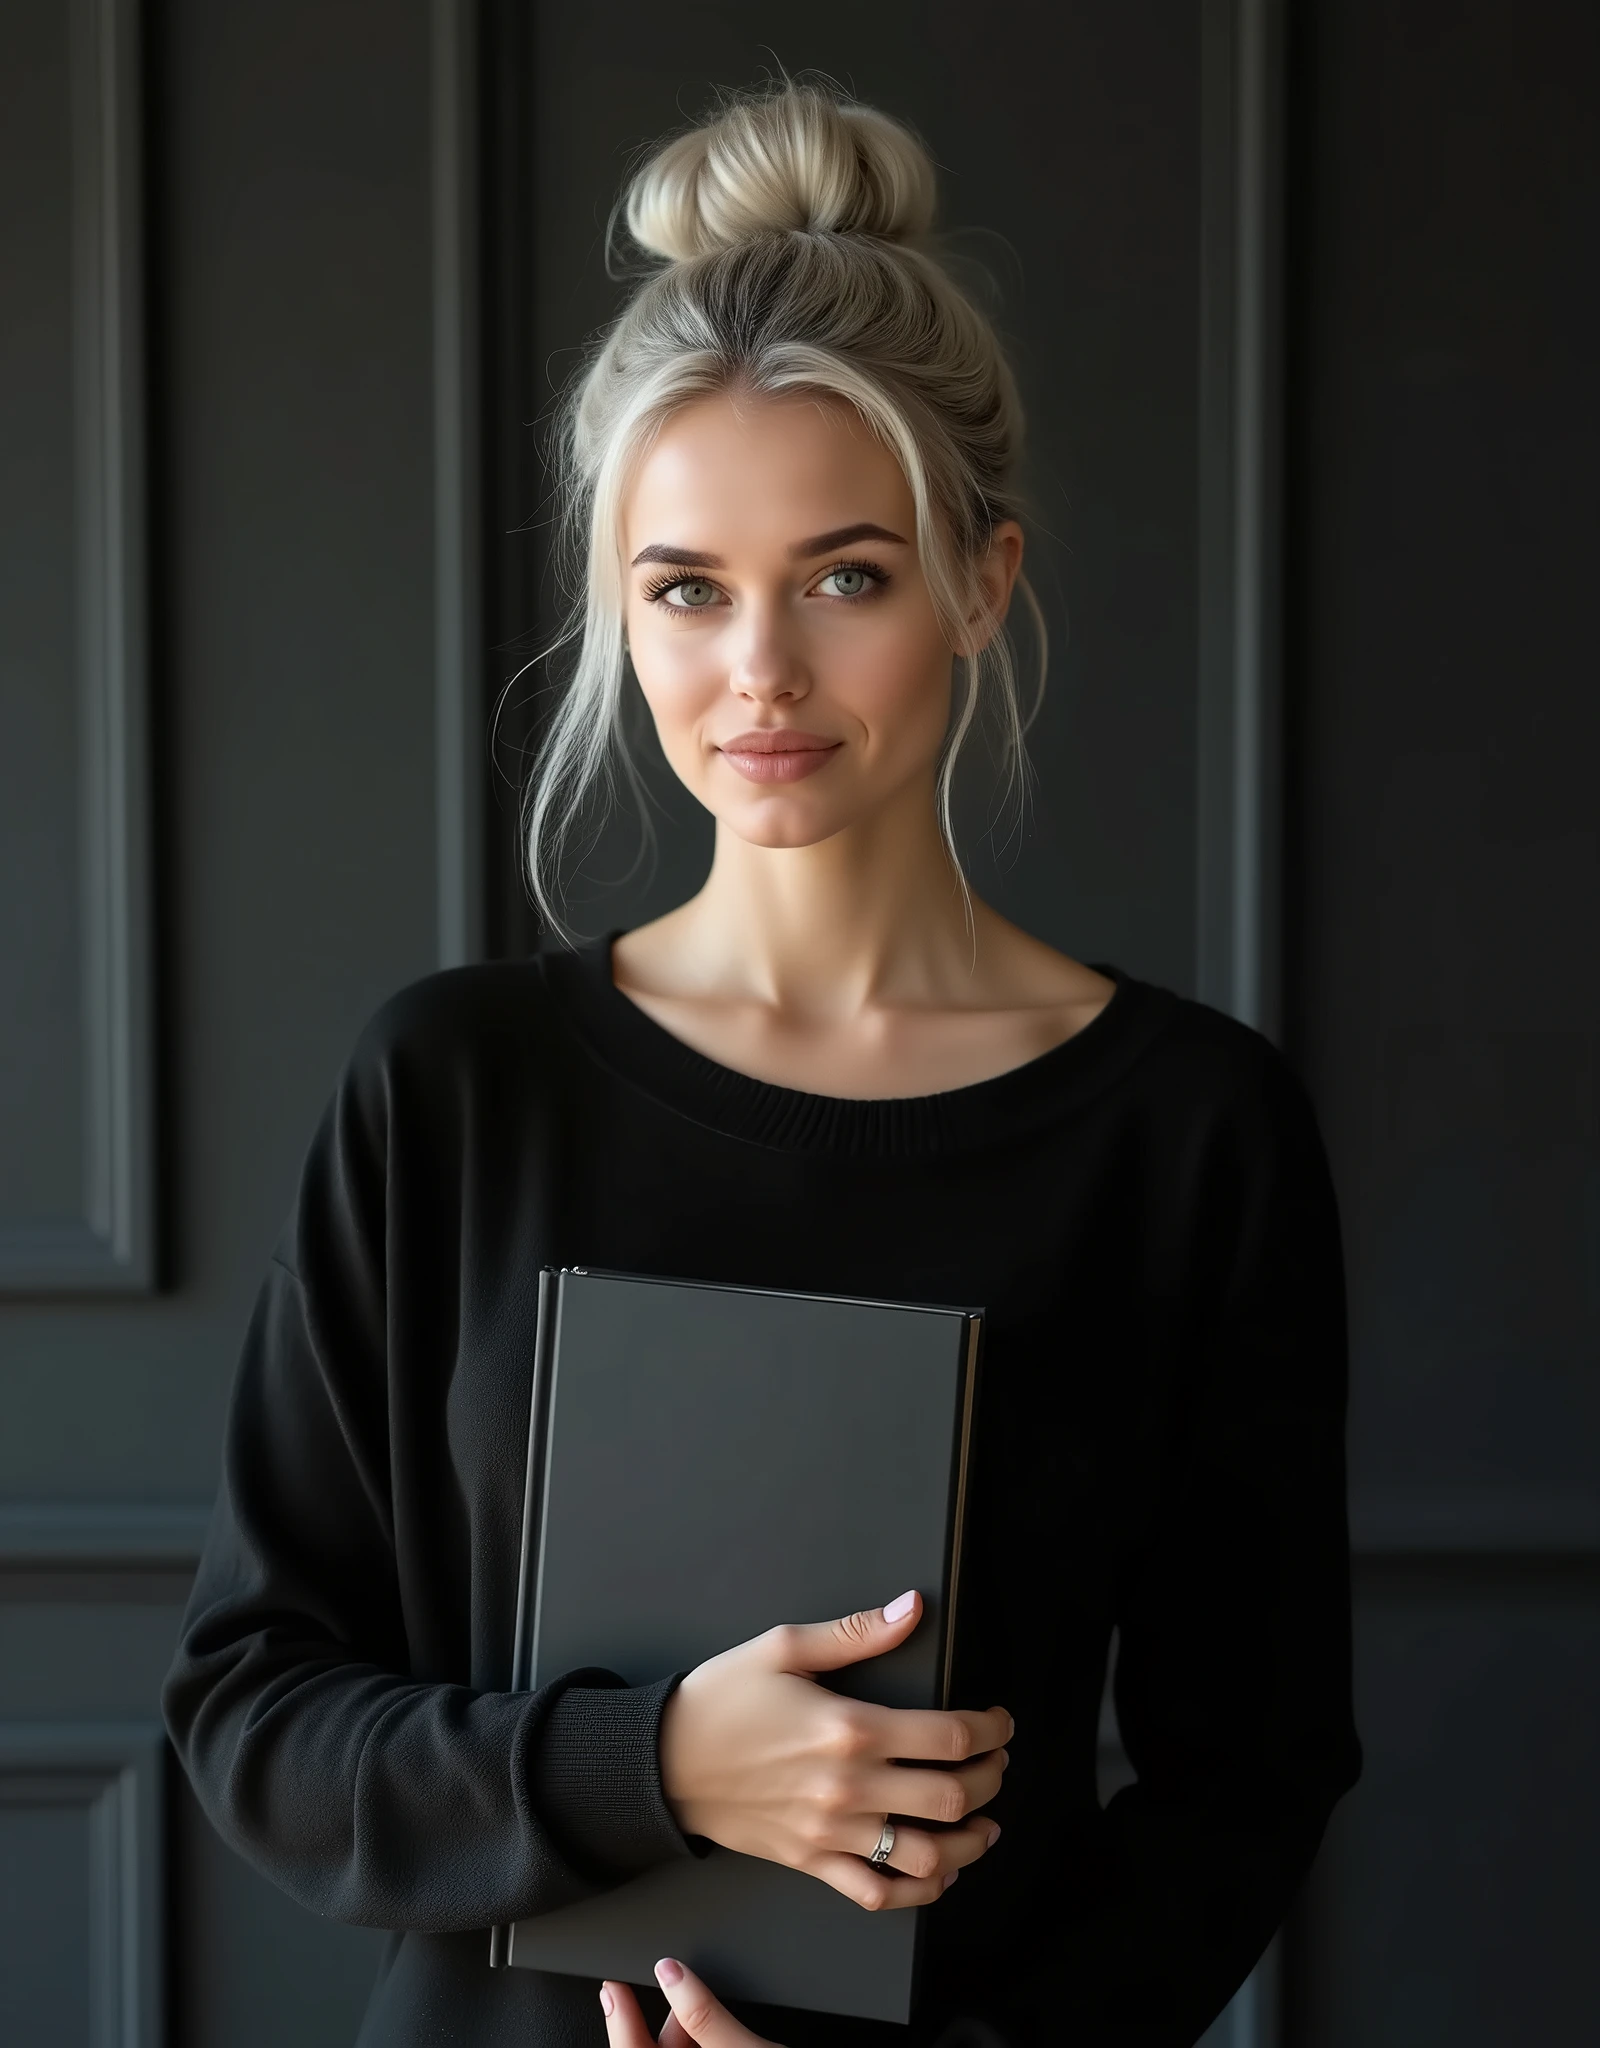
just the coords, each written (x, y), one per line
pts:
(657, 590)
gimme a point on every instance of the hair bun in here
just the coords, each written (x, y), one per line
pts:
(794, 160)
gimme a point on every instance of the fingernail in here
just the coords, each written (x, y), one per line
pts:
(950, 1880)
(994, 1833)
(605, 2001)
(897, 1610)
(669, 1972)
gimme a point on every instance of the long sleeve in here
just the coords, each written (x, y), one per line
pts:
(1233, 1682)
(369, 1794)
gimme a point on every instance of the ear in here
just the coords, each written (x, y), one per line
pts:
(997, 570)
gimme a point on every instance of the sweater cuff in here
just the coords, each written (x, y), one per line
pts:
(595, 1776)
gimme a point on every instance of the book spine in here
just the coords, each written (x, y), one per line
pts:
(528, 1562)
(958, 1517)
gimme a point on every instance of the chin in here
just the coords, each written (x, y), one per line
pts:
(780, 825)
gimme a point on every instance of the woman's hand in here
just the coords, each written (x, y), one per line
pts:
(757, 1756)
(696, 2016)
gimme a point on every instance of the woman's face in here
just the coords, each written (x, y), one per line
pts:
(778, 619)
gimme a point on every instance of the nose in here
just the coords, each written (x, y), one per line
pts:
(767, 665)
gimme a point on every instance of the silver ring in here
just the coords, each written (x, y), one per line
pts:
(885, 1848)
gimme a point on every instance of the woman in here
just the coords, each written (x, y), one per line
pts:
(789, 473)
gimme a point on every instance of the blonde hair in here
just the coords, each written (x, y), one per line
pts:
(787, 249)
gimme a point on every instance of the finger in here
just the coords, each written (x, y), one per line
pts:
(916, 1853)
(946, 1796)
(825, 1645)
(704, 2018)
(626, 2026)
(928, 1736)
(878, 1891)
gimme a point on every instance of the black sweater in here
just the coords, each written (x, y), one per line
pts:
(1146, 1215)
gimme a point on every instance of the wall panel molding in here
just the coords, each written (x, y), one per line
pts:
(1486, 1527)
(1239, 731)
(109, 1774)
(458, 608)
(97, 1536)
(110, 1246)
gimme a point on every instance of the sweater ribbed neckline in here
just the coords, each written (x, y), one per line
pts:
(643, 1053)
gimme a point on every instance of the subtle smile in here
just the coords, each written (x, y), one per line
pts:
(778, 754)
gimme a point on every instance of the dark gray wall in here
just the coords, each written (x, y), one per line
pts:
(290, 722)
(1447, 929)
(39, 1091)
(237, 662)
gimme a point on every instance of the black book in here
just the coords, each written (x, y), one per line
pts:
(837, 1431)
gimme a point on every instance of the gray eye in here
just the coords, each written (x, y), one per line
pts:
(848, 582)
(695, 593)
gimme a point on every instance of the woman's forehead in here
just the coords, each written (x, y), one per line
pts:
(756, 466)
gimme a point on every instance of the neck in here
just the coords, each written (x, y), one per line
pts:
(873, 914)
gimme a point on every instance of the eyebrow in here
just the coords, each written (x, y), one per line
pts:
(818, 544)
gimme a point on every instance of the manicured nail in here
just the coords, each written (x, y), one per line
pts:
(605, 2001)
(669, 1972)
(950, 1880)
(994, 1833)
(897, 1610)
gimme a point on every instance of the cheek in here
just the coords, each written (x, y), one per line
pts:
(665, 653)
(678, 675)
(895, 680)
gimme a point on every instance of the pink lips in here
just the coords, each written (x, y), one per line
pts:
(778, 754)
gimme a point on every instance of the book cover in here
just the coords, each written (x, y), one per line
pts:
(703, 1462)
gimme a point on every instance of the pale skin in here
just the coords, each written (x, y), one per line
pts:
(829, 950)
